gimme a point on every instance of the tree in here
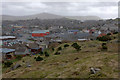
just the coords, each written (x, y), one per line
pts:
(46, 54)
(66, 45)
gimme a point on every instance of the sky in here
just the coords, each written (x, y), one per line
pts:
(105, 10)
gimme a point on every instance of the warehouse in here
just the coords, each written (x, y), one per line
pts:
(40, 33)
(7, 37)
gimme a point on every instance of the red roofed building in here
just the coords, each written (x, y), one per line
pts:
(40, 33)
(102, 34)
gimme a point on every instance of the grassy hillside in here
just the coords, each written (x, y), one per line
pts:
(69, 64)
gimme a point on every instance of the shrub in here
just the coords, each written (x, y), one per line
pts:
(103, 44)
(41, 53)
(108, 33)
(34, 57)
(39, 58)
(53, 49)
(76, 46)
(7, 64)
(115, 32)
(19, 57)
(57, 53)
(23, 61)
(104, 38)
(104, 47)
(59, 49)
(60, 42)
(66, 45)
(46, 54)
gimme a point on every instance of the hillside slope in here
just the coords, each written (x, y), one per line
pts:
(69, 64)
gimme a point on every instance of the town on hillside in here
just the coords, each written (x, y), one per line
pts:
(48, 45)
(20, 39)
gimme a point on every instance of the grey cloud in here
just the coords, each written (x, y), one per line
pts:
(61, 8)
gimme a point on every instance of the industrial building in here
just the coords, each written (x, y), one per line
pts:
(40, 33)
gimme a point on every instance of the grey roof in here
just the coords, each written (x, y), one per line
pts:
(7, 37)
(20, 49)
(33, 45)
(6, 50)
(71, 36)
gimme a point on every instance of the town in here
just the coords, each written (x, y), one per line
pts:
(59, 40)
(22, 39)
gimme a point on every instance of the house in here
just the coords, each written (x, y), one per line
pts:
(73, 31)
(7, 53)
(85, 30)
(56, 40)
(21, 51)
(18, 26)
(33, 48)
(43, 45)
(104, 28)
(102, 34)
(83, 39)
(93, 36)
(7, 37)
(99, 32)
(91, 31)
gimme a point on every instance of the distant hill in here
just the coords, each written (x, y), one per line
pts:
(83, 18)
(39, 16)
(48, 16)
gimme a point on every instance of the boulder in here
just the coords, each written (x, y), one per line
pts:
(17, 65)
(94, 70)
(28, 64)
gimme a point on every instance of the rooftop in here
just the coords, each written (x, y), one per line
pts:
(6, 50)
(40, 31)
(6, 37)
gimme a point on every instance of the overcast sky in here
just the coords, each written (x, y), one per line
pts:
(100, 9)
